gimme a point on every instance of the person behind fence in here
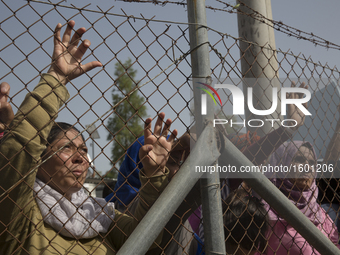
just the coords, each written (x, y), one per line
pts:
(329, 188)
(128, 183)
(44, 164)
(245, 223)
(301, 190)
(257, 149)
(128, 186)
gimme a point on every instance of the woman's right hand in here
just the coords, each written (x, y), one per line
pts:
(154, 154)
(66, 59)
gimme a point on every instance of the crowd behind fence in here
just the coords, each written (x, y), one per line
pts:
(159, 52)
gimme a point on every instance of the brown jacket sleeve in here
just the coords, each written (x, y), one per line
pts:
(21, 148)
(123, 224)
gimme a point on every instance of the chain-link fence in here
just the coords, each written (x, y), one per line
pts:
(146, 69)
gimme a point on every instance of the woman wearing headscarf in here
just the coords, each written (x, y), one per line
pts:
(44, 209)
(300, 188)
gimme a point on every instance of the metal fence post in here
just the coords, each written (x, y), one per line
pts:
(277, 200)
(210, 186)
(258, 63)
(159, 214)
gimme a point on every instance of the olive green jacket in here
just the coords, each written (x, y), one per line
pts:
(22, 229)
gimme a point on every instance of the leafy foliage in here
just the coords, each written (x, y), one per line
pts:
(126, 124)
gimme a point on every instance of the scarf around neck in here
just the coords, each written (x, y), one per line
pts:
(83, 217)
(305, 200)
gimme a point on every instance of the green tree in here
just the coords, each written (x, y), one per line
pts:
(126, 124)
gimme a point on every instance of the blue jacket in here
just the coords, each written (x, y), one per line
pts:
(128, 182)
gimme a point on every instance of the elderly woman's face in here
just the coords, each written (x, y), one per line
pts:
(303, 180)
(66, 170)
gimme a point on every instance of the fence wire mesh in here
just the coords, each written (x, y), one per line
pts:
(146, 70)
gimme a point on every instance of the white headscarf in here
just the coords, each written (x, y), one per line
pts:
(82, 217)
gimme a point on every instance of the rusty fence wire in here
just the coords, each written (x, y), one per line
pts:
(147, 70)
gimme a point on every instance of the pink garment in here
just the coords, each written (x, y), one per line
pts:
(195, 220)
(284, 239)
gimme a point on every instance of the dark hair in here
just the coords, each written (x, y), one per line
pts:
(245, 221)
(57, 128)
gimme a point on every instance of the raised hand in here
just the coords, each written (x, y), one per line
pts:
(155, 152)
(179, 152)
(66, 59)
(293, 112)
(6, 112)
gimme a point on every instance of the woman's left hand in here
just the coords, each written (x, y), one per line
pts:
(67, 54)
(155, 152)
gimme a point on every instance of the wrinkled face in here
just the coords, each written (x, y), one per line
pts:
(66, 170)
(304, 158)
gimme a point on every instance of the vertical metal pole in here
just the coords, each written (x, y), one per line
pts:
(259, 65)
(210, 186)
(278, 201)
(172, 197)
